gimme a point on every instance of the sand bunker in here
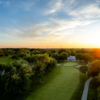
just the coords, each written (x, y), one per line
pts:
(78, 66)
(58, 64)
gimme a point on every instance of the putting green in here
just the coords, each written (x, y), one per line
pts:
(71, 64)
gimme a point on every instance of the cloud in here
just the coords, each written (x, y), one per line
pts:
(7, 35)
(1, 35)
(27, 5)
(55, 29)
(60, 5)
(5, 3)
(19, 4)
(69, 24)
(90, 11)
(54, 6)
(10, 36)
(76, 9)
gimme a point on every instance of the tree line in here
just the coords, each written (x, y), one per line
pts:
(20, 74)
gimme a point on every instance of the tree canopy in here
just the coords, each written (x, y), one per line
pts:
(94, 68)
(17, 77)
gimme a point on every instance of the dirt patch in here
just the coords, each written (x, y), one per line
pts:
(78, 66)
(58, 64)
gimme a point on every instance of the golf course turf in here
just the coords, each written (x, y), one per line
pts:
(65, 82)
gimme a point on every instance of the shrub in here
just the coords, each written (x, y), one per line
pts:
(83, 69)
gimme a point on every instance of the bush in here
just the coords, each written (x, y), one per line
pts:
(83, 69)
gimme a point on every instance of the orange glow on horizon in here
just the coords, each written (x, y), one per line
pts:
(49, 45)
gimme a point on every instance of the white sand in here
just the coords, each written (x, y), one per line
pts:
(78, 66)
(58, 64)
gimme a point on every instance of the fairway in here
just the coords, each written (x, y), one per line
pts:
(65, 82)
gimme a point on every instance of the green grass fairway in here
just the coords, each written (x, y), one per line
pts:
(65, 82)
(4, 60)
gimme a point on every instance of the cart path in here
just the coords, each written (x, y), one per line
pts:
(86, 87)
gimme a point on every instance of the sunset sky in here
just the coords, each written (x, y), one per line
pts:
(50, 23)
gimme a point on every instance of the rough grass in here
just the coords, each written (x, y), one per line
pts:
(63, 83)
(4, 60)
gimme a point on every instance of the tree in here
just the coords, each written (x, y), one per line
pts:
(49, 52)
(69, 52)
(88, 57)
(56, 56)
(1, 52)
(28, 58)
(94, 68)
(79, 56)
(17, 77)
(51, 64)
(98, 80)
(22, 54)
(2, 67)
(14, 56)
(83, 69)
(53, 50)
(36, 52)
(62, 50)
(73, 52)
(40, 61)
(96, 53)
(63, 56)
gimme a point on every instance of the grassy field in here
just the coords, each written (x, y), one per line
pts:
(64, 82)
(4, 60)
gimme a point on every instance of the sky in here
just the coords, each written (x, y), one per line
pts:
(49, 23)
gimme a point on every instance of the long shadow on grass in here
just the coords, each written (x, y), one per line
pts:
(79, 89)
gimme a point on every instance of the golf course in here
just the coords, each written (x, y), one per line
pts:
(65, 82)
(49, 50)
